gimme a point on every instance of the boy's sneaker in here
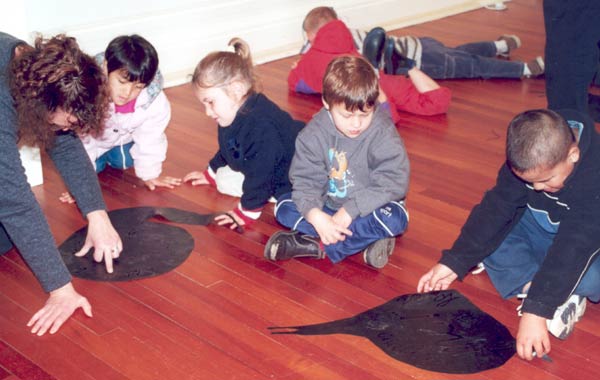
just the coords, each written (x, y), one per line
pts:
(566, 315)
(536, 67)
(512, 43)
(373, 46)
(378, 253)
(284, 245)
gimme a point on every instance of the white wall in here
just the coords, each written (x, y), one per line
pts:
(183, 31)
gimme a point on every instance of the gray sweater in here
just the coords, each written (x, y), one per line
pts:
(20, 213)
(359, 174)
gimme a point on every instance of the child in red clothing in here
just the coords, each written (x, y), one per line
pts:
(331, 38)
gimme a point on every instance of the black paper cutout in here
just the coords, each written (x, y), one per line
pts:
(438, 331)
(149, 248)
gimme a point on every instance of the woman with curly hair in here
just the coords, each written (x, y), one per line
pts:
(50, 93)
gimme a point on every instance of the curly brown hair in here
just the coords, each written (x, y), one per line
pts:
(56, 75)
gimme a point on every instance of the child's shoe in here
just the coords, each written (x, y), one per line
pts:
(566, 315)
(395, 63)
(378, 253)
(512, 43)
(284, 245)
(535, 67)
(373, 46)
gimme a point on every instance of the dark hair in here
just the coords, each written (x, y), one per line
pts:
(537, 139)
(55, 74)
(317, 17)
(133, 55)
(223, 67)
(351, 81)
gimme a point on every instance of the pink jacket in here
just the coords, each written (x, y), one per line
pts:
(145, 127)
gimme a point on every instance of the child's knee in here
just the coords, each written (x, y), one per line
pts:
(393, 217)
(286, 212)
(590, 284)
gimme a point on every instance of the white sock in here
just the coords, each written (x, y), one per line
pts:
(501, 47)
(526, 70)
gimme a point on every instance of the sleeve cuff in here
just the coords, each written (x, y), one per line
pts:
(210, 176)
(248, 216)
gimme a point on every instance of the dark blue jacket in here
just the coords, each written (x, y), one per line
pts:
(576, 207)
(259, 144)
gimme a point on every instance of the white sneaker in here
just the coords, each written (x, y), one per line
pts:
(478, 269)
(566, 315)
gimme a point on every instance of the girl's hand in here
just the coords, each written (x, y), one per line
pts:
(169, 182)
(197, 178)
(66, 198)
(230, 218)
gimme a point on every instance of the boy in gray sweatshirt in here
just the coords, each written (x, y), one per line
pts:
(349, 175)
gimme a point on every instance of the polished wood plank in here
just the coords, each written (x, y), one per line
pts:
(209, 318)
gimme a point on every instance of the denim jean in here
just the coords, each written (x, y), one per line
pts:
(5, 242)
(387, 221)
(473, 60)
(516, 261)
(118, 157)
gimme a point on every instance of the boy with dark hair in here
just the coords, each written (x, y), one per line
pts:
(537, 230)
(349, 175)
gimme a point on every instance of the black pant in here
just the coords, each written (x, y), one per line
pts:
(572, 56)
(5, 242)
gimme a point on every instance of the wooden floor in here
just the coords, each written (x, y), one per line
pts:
(208, 319)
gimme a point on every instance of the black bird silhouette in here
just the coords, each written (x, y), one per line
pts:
(438, 331)
(149, 248)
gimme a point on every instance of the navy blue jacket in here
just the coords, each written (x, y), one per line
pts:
(259, 144)
(576, 207)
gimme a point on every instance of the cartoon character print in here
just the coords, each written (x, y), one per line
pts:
(338, 181)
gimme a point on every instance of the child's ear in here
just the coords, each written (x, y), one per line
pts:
(105, 68)
(238, 88)
(574, 154)
(325, 104)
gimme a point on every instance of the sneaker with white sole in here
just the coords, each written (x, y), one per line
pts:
(378, 253)
(566, 315)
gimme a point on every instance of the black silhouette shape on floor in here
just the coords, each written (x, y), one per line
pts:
(149, 248)
(438, 331)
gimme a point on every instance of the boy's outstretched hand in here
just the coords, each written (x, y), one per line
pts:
(438, 278)
(532, 337)
(165, 181)
(197, 178)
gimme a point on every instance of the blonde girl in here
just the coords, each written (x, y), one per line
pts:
(256, 138)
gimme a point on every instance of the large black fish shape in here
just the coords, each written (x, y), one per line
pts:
(149, 249)
(438, 331)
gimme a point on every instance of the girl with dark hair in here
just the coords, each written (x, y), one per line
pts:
(139, 112)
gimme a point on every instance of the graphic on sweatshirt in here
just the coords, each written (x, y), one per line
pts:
(338, 174)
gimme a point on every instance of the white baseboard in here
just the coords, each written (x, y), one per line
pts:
(185, 34)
